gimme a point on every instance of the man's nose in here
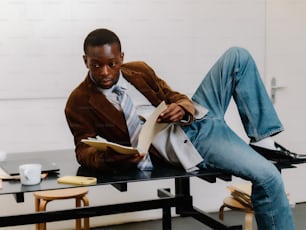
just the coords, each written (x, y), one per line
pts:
(104, 70)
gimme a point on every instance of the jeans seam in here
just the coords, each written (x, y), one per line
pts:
(270, 133)
(265, 188)
(245, 108)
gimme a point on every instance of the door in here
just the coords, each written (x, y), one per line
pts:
(286, 68)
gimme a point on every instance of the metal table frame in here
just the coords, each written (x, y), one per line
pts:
(181, 199)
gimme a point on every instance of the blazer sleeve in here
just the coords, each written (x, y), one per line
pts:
(161, 88)
(182, 100)
(81, 126)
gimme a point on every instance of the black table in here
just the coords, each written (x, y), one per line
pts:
(65, 159)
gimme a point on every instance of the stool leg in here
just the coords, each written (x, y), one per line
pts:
(78, 224)
(221, 212)
(37, 205)
(248, 221)
(42, 207)
(86, 219)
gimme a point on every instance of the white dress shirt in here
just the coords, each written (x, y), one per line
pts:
(143, 106)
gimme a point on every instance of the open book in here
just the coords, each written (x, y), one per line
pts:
(242, 193)
(149, 129)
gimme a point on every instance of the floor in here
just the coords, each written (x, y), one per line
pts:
(183, 223)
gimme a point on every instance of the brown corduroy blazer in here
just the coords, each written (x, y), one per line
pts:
(89, 113)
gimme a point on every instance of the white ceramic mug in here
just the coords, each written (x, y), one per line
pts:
(2, 155)
(30, 174)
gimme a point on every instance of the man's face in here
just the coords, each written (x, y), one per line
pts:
(104, 64)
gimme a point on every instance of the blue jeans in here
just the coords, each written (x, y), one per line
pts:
(235, 75)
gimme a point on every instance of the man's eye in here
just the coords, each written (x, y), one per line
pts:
(96, 65)
(112, 64)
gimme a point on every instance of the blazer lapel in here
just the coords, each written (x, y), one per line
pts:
(106, 110)
(137, 79)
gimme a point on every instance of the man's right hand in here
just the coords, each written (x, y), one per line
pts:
(121, 161)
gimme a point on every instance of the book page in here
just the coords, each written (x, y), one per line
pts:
(243, 188)
(3, 174)
(148, 131)
(102, 144)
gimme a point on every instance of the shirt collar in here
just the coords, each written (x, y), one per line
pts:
(122, 83)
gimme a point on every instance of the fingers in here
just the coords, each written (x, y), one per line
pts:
(136, 159)
(173, 113)
(121, 160)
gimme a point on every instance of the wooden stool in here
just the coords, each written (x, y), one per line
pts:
(232, 203)
(42, 198)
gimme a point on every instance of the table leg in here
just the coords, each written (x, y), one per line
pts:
(167, 225)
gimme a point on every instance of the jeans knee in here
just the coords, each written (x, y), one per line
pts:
(241, 53)
(241, 61)
(275, 179)
(269, 183)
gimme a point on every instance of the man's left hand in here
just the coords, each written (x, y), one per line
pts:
(173, 113)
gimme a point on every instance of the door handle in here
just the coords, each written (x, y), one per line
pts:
(274, 88)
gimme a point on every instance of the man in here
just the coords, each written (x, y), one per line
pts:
(93, 109)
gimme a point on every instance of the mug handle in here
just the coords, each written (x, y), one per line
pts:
(26, 174)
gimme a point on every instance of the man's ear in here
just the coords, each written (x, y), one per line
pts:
(85, 60)
(122, 57)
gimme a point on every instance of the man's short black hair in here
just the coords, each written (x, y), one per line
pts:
(100, 37)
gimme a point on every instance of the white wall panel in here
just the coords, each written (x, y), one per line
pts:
(41, 41)
(286, 62)
(40, 59)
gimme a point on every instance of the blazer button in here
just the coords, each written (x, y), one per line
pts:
(185, 141)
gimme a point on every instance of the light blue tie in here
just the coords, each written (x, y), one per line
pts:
(133, 124)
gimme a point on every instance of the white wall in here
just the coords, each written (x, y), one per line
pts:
(286, 62)
(42, 40)
(40, 52)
